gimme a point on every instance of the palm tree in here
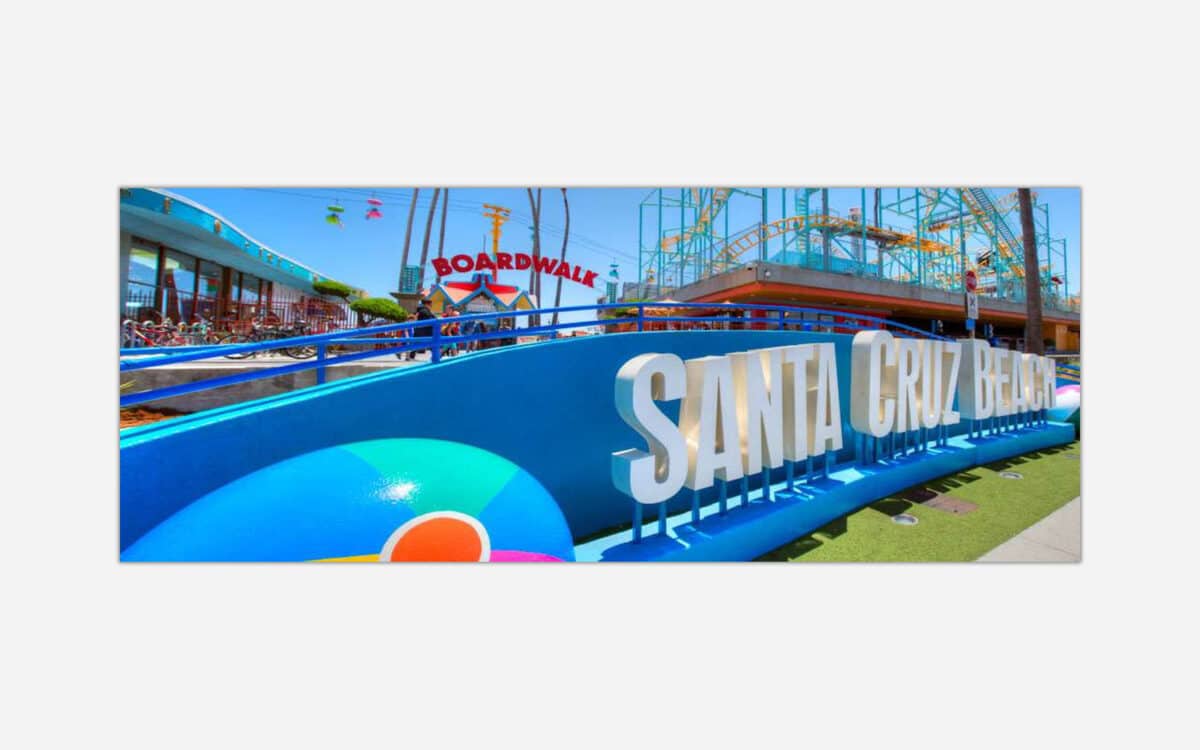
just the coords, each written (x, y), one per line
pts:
(412, 209)
(425, 242)
(562, 258)
(1033, 282)
(535, 286)
(442, 233)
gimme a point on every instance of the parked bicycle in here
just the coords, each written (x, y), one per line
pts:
(200, 332)
(259, 331)
(166, 332)
(147, 333)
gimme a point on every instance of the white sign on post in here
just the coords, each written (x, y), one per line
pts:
(972, 306)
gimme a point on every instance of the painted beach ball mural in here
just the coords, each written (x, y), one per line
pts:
(399, 499)
(1066, 406)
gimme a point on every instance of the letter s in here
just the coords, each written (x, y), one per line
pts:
(657, 475)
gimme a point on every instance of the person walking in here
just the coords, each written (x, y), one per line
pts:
(451, 330)
(423, 313)
(469, 328)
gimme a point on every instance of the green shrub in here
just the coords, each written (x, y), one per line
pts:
(621, 312)
(375, 308)
(332, 288)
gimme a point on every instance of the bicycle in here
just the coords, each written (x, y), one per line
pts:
(147, 333)
(200, 332)
(259, 332)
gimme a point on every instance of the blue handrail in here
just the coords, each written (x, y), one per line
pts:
(142, 358)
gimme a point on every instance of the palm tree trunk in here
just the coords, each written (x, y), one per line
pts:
(1033, 283)
(534, 285)
(425, 243)
(562, 258)
(442, 233)
(537, 236)
(407, 238)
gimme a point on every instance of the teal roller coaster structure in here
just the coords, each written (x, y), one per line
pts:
(927, 236)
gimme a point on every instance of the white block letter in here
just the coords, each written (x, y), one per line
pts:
(908, 404)
(1049, 382)
(1002, 376)
(1031, 378)
(708, 421)
(796, 361)
(758, 381)
(827, 416)
(873, 383)
(654, 476)
(976, 399)
(951, 358)
(931, 383)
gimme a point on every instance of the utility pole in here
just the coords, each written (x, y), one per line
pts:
(498, 215)
(1034, 344)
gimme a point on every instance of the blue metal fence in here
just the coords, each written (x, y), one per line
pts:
(733, 316)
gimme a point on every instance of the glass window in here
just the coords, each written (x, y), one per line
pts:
(249, 289)
(235, 291)
(179, 272)
(250, 307)
(143, 265)
(178, 281)
(210, 280)
(284, 293)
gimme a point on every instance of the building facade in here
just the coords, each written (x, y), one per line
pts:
(181, 261)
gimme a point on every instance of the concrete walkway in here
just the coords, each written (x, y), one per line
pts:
(1056, 538)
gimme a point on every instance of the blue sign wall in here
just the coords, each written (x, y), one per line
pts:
(546, 407)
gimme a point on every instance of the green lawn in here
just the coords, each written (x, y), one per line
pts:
(1006, 508)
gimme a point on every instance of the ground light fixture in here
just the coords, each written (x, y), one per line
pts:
(1011, 475)
(905, 519)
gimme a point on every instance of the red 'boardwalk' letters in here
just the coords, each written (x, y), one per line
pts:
(514, 262)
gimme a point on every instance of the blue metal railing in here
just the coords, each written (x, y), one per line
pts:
(733, 316)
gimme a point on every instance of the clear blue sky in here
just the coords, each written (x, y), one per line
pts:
(604, 227)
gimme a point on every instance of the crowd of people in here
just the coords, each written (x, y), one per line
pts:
(450, 327)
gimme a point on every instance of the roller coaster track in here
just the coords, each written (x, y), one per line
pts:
(708, 212)
(978, 206)
(937, 222)
(727, 254)
(988, 216)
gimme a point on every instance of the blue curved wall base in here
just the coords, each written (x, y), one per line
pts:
(546, 407)
(745, 533)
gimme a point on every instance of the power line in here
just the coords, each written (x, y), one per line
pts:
(458, 206)
(473, 206)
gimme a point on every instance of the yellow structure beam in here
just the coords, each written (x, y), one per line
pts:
(708, 212)
(729, 254)
(985, 220)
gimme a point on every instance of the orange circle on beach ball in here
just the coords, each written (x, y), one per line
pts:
(438, 537)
